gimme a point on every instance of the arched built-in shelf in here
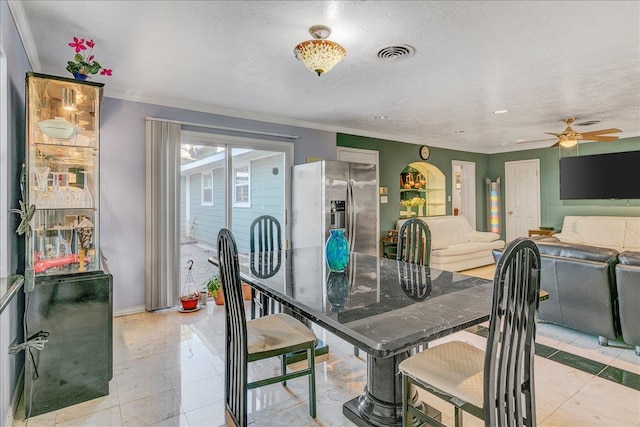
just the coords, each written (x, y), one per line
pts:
(422, 190)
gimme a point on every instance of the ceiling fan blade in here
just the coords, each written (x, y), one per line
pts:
(551, 133)
(600, 132)
(599, 138)
(556, 144)
(535, 140)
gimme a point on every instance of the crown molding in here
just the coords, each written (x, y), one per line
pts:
(24, 30)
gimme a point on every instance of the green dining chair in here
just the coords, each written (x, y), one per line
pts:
(497, 384)
(252, 340)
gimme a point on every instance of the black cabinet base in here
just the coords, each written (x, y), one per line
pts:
(76, 363)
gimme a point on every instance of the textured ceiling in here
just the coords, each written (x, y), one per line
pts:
(543, 61)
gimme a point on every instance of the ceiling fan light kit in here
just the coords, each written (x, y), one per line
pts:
(319, 55)
(567, 142)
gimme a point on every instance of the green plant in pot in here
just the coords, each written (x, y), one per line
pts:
(214, 288)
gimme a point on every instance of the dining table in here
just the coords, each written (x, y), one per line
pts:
(384, 307)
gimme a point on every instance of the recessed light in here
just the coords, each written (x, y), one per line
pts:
(500, 111)
(520, 140)
(380, 117)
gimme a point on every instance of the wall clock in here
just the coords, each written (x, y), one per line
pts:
(424, 152)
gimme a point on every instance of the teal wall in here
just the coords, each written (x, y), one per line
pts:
(552, 209)
(395, 156)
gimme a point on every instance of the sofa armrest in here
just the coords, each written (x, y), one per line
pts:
(483, 236)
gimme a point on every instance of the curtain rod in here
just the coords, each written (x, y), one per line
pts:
(279, 135)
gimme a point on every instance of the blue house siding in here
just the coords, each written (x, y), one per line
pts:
(266, 196)
(206, 221)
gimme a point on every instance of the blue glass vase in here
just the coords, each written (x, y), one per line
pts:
(337, 250)
(80, 76)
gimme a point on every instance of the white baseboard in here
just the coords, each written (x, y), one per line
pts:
(129, 310)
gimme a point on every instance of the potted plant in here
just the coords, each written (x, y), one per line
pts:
(189, 301)
(85, 64)
(214, 288)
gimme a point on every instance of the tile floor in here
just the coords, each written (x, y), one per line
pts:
(169, 367)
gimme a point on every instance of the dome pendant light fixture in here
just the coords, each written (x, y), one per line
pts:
(319, 55)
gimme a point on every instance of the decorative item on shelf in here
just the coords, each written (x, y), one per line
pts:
(409, 182)
(414, 202)
(42, 177)
(337, 290)
(319, 55)
(57, 128)
(407, 204)
(85, 64)
(422, 181)
(190, 295)
(85, 232)
(337, 250)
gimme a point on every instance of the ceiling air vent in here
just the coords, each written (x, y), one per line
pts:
(396, 52)
(588, 123)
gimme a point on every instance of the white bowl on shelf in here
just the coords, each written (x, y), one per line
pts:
(57, 128)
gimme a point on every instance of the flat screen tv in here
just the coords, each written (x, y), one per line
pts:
(601, 176)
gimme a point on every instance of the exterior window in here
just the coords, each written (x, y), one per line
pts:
(241, 187)
(207, 189)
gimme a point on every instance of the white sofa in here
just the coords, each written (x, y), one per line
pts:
(456, 246)
(621, 233)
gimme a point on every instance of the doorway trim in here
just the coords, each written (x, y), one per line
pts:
(528, 186)
(468, 187)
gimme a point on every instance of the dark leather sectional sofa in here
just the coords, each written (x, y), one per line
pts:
(592, 290)
(628, 285)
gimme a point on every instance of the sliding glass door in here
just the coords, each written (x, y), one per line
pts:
(227, 182)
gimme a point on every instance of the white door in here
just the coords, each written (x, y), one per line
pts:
(464, 190)
(522, 197)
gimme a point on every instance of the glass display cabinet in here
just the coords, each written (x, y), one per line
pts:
(62, 175)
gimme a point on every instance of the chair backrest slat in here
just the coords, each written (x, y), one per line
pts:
(414, 242)
(265, 243)
(508, 369)
(236, 328)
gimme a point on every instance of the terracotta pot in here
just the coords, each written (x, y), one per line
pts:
(246, 292)
(219, 299)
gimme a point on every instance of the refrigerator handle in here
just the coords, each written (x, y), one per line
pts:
(351, 222)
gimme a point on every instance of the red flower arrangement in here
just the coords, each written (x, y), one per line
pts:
(84, 63)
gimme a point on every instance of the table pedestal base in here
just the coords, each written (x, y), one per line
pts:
(381, 403)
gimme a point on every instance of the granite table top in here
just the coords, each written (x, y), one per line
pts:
(380, 305)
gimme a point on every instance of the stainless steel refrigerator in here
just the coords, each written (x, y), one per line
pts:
(334, 194)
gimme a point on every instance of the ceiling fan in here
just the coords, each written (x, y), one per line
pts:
(569, 137)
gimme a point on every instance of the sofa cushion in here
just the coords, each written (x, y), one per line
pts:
(601, 232)
(447, 231)
(470, 248)
(569, 237)
(483, 236)
(632, 234)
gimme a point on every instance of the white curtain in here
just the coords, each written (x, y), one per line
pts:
(162, 237)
